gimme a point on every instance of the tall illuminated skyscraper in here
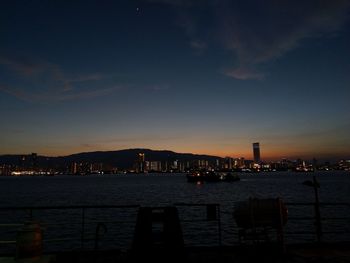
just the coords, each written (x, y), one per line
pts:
(256, 152)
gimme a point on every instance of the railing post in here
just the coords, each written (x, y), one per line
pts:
(82, 227)
(97, 234)
(280, 227)
(318, 225)
(219, 226)
(317, 212)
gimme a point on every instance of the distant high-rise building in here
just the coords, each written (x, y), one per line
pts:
(217, 163)
(141, 157)
(155, 166)
(239, 162)
(202, 164)
(228, 163)
(34, 161)
(141, 163)
(256, 152)
(74, 168)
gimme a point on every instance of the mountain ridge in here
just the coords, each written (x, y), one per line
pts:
(123, 159)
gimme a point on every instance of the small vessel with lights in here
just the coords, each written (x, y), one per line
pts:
(195, 177)
(203, 176)
(230, 177)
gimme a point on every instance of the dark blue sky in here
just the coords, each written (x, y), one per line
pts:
(190, 76)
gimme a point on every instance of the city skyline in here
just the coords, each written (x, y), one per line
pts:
(206, 77)
(150, 161)
(254, 155)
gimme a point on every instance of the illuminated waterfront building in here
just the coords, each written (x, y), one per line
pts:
(228, 163)
(202, 164)
(239, 162)
(74, 168)
(155, 166)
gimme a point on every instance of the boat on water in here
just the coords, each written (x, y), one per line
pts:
(230, 177)
(203, 176)
(211, 176)
(195, 177)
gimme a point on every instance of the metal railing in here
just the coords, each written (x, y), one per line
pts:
(91, 227)
(320, 220)
(67, 218)
(211, 214)
(92, 224)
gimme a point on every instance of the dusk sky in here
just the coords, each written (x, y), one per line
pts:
(208, 77)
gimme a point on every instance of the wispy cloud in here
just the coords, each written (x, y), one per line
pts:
(26, 66)
(158, 87)
(243, 73)
(51, 82)
(83, 78)
(257, 32)
(279, 28)
(58, 95)
(199, 45)
(20, 94)
(149, 138)
(90, 93)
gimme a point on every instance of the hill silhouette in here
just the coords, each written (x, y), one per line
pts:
(123, 159)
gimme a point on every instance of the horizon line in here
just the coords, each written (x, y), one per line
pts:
(270, 158)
